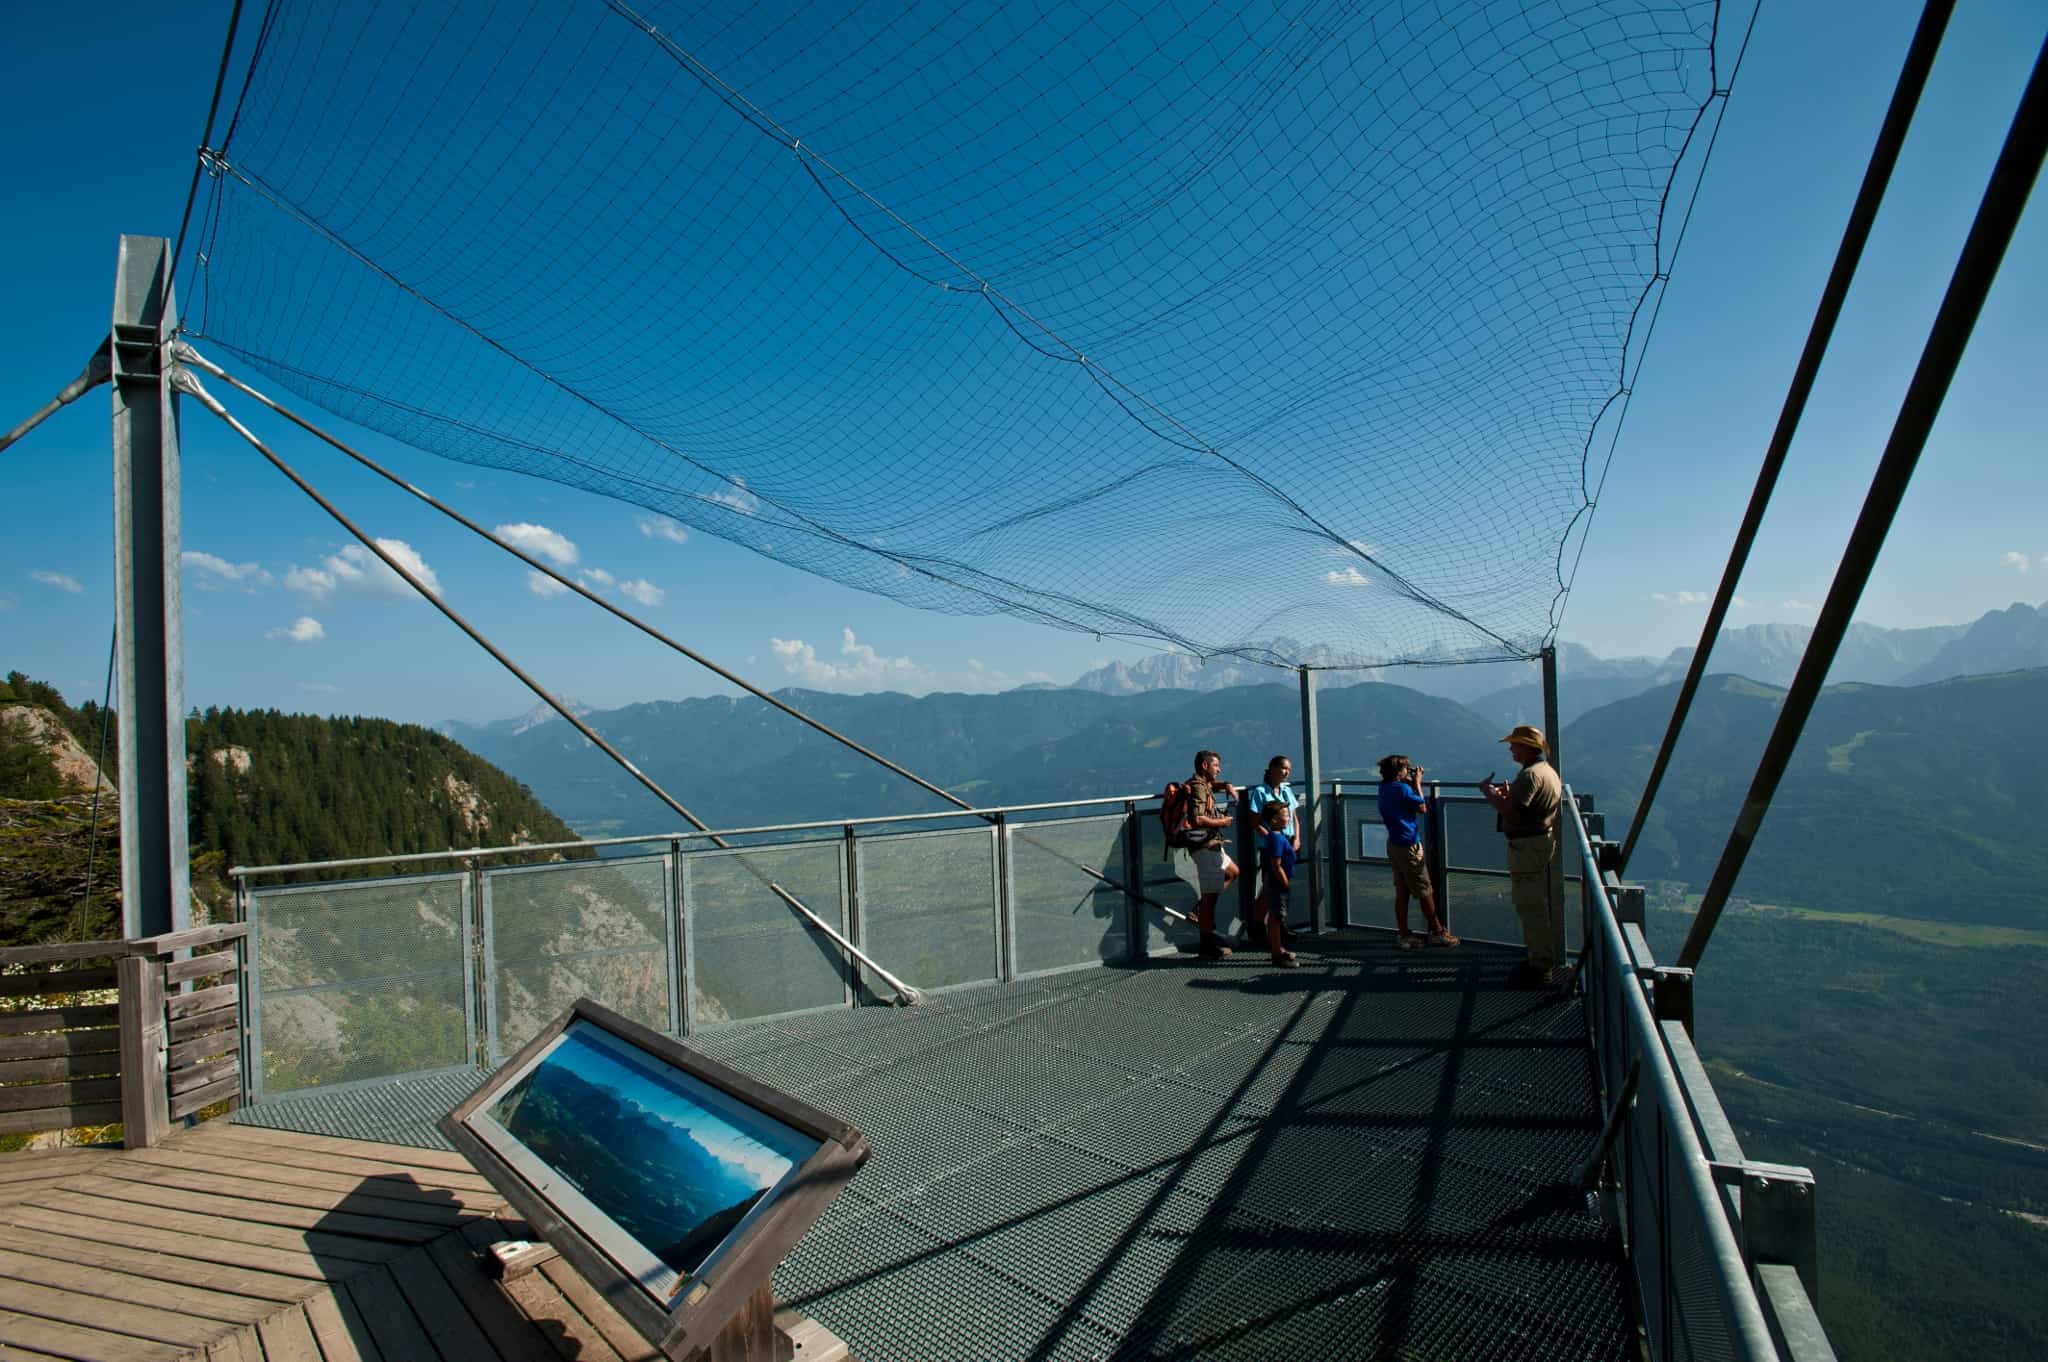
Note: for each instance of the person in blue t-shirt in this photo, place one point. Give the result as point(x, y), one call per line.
point(1401, 803)
point(1276, 877)
point(1274, 789)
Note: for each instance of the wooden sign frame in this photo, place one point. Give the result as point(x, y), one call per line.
point(742, 1266)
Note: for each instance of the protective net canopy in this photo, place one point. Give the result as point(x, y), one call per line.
point(1281, 331)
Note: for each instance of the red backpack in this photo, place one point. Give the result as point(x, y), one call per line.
point(1175, 810)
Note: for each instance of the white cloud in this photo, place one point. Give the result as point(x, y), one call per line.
point(355, 572)
point(59, 580)
point(538, 540)
point(739, 499)
point(598, 577)
point(863, 665)
point(1681, 597)
point(304, 629)
point(1350, 576)
point(210, 573)
point(1740, 603)
point(542, 585)
point(643, 591)
point(661, 527)
point(1797, 605)
point(2016, 561)
point(320, 687)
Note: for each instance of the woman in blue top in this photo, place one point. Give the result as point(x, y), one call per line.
point(1273, 790)
point(1401, 802)
point(1276, 877)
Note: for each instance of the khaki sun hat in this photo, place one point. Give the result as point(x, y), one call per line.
point(1529, 735)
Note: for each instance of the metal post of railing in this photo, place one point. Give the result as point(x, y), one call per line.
point(1337, 833)
point(1134, 880)
point(483, 984)
point(678, 944)
point(1436, 849)
point(1245, 853)
point(1312, 822)
point(1006, 924)
point(850, 849)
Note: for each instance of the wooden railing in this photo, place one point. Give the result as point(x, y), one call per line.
point(167, 1046)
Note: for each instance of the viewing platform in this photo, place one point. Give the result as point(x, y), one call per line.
point(1120, 1152)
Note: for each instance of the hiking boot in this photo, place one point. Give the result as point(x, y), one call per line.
point(1409, 942)
point(1444, 938)
point(1286, 960)
point(1214, 949)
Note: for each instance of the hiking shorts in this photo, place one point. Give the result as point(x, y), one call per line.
point(1411, 868)
point(1209, 868)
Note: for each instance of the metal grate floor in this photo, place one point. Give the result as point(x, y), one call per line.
point(1365, 1157)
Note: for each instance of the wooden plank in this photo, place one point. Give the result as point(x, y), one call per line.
point(408, 1155)
point(220, 1019)
point(373, 1160)
point(185, 1103)
point(60, 951)
point(58, 1067)
point(134, 1287)
point(389, 1318)
point(511, 1334)
point(443, 1314)
point(56, 981)
point(620, 1336)
point(439, 1214)
point(145, 1117)
point(60, 1019)
point(110, 1316)
point(191, 939)
point(242, 1209)
point(287, 1337)
point(39, 1163)
point(71, 1245)
point(178, 1005)
point(227, 1252)
point(194, 1227)
point(239, 1346)
point(182, 1054)
point(571, 1334)
point(199, 967)
point(70, 1093)
point(339, 1329)
point(98, 1041)
point(82, 1344)
point(401, 1183)
point(58, 1118)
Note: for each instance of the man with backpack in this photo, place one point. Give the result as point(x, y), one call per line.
point(1194, 824)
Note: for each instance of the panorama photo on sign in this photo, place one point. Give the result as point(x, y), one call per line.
point(661, 1168)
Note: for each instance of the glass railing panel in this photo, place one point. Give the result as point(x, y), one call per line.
point(555, 933)
point(928, 905)
point(1169, 880)
point(1061, 915)
point(748, 953)
point(1472, 839)
point(1370, 886)
point(359, 980)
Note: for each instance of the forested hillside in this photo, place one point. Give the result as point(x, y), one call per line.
point(263, 788)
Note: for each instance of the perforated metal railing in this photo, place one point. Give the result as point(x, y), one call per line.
point(377, 978)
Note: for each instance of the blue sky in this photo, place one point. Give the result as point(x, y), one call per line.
point(1971, 536)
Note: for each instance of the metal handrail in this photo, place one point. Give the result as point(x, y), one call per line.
point(832, 824)
point(1660, 1083)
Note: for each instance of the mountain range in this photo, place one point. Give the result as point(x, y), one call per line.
point(2001, 640)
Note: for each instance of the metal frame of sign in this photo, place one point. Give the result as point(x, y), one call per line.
point(745, 1262)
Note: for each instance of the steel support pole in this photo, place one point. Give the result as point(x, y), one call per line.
point(1876, 175)
point(1308, 865)
point(2005, 199)
point(1552, 725)
point(149, 610)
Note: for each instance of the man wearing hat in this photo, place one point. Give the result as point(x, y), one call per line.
point(1528, 817)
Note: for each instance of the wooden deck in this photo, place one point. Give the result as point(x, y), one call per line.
point(233, 1242)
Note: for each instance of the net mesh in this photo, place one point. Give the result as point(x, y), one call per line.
point(1054, 310)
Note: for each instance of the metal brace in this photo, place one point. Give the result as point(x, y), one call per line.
point(1778, 1223)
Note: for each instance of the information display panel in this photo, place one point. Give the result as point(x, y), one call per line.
point(674, 1183)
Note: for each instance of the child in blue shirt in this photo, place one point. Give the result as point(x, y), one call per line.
point(1401, 805)
point(1276, 871)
